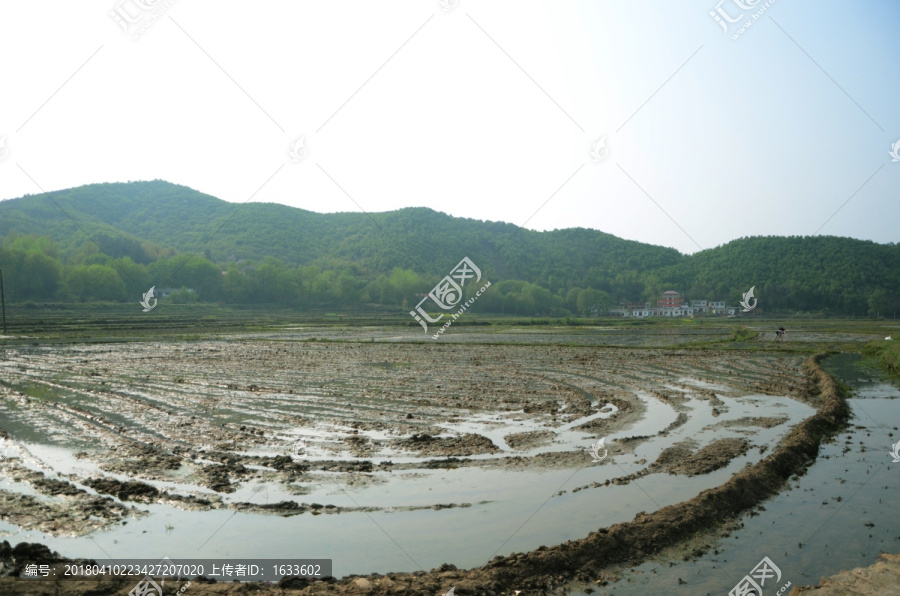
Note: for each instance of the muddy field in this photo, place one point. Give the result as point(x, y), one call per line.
point(101, 436)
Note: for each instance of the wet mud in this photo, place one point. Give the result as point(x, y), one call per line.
point(290, 414)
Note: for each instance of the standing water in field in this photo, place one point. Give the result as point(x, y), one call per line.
point(839, 515)
point(380, 457)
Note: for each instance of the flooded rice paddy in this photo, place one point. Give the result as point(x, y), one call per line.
point(841, 514)
point(381, 456)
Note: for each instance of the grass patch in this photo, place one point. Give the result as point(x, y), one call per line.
point(886, 354)
point(743, 333)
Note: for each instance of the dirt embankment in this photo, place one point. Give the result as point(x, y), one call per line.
point(550, 567)
point(428, 446)
point(79, 513)
point(683, 460)
point(879, 579)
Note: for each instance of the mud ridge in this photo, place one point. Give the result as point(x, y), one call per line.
point(550, 567)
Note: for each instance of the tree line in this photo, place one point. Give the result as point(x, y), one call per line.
point(119, 269)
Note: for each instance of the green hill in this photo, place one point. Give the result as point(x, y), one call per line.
point(185, 220)
point(113, 241)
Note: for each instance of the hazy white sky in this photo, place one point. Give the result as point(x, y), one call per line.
point(486, 110)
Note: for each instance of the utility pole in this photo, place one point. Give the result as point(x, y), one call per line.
point(3, 301)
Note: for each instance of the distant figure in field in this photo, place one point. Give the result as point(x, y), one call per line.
point(779, 334)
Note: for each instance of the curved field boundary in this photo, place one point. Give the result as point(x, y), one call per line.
point(549, 567)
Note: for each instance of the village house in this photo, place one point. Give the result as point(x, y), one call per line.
point(717, 308)
point(670, 299)
point(673, 304)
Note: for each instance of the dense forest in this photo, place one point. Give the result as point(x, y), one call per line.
point(113, 241)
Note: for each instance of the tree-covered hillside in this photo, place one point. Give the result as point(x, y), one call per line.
point(114, 241)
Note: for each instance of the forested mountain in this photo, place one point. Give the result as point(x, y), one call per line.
point(113, 241)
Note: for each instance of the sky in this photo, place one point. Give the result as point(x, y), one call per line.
point(639, 118)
